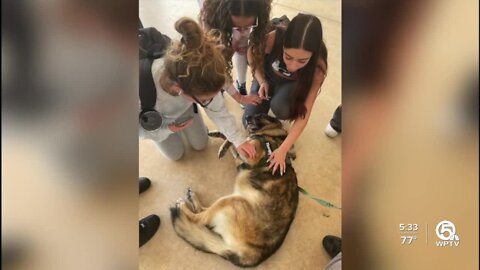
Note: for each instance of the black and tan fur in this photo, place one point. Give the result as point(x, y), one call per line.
point(248, 226)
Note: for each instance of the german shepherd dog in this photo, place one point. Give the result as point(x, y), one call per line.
point(248, 226)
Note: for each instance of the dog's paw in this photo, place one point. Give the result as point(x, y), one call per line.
point(192, 201)
point(188, 199)
point(189, 194)
point(179, 203)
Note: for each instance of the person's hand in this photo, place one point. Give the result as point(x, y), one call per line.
point(247, 150)
point(263, 91)
point(277, 161)
point(179, 127)
point(250, 99)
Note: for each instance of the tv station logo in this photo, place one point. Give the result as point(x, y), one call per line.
point(445, 230)
point(447, 233)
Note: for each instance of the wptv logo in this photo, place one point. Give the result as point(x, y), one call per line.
point(447, 233)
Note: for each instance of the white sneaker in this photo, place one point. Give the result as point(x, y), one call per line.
point(330, 132)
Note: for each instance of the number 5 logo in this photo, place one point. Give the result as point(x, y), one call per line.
point(446, 230)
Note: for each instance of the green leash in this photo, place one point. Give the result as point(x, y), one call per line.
point(318, 200)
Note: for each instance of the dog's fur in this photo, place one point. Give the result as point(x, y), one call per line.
point(249, 225)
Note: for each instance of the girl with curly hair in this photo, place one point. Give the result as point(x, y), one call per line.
point(242, 24)
point(295, 68)
point(192, 71)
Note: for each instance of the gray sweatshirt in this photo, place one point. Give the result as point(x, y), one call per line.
point(172, 107)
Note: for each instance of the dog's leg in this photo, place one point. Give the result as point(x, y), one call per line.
point(234, 153)
point(223, 148)
point(205, 217)
point(216, 134)
point(219, 229)
point(192, 201)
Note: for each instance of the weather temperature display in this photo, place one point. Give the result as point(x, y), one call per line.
point(408, 233)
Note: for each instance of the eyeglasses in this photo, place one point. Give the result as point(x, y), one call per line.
point(246, 28)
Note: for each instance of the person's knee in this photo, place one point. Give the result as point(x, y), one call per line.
point(281, 110)
point(200, 144)
point(173, 152)
point(199, 148)
point(174, 156)
point(197, 134)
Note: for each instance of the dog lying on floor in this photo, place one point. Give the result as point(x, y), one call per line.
point(249, 225)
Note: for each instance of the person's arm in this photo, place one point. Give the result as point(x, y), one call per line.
point(241, 99)
point(259, 74)
point(278, 156)
point(218, 113)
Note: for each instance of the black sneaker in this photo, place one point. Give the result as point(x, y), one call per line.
point(13, 252)
point(148, 227)
point(144, 183)
point(334, 127)
point(332, 244)
point(242, 89)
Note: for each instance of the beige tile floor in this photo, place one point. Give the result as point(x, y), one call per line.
point(318, 164)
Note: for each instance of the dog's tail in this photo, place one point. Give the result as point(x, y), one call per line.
point(202, 238)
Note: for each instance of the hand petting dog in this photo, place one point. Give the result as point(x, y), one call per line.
point(277, 160)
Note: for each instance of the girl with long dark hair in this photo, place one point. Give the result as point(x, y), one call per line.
point(295, 66)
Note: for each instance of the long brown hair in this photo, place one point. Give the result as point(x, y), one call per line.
point(196, 62)
point(216, 14)
point(303, 32)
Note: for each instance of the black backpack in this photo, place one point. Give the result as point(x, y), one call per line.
point(152, 45)
point(281, 22)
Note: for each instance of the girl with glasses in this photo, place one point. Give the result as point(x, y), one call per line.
point(295, 67)
point(242, 24)
point(193, 70)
